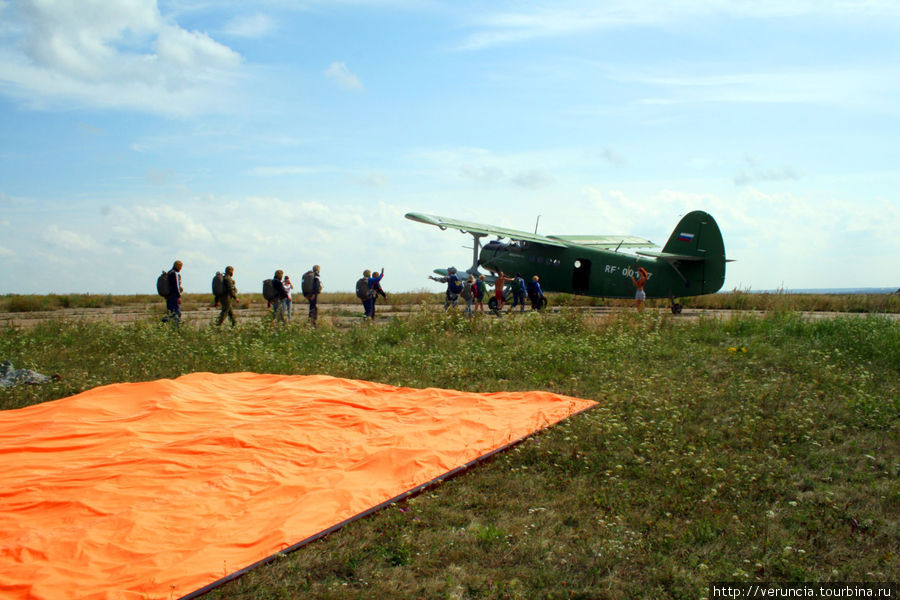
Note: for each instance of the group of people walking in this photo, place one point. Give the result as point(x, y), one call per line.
point(280, 297)
point(279, 293)
point(473, 291)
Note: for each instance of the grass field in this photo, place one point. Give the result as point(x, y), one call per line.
point(734, 300)
point(747, 449)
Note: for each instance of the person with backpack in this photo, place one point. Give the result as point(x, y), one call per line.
point(536, 294)
point(311, 286)
point(454, 287)
point(280, 296)
point(375, 285)
point(364, 292)
point(227, 295)
point(173, 296)
point(468, 294)
point(479, 289)
point(518, 290)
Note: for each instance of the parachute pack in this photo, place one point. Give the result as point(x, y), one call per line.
point(162, 285)
point(218, 285)
point(268, 290)
point(455, 284)
point(362, 289)
point(307, 282)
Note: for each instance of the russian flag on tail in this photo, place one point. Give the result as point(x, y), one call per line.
point(685, 237)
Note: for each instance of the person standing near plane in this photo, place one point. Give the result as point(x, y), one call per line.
point(173, 300)
point(498, 289)
point(536, 294)
point(640, 295)
point(468, 294)
point(480, 290)
point(518, 290)
point(454, 287)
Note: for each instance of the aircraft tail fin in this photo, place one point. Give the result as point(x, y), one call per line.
point(697, 235)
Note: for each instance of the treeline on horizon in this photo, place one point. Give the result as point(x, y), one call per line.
point(733, 300)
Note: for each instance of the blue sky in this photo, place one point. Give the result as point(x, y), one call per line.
point(279, 134)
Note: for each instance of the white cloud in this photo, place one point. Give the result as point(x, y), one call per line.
point(6, 252)
point(70, 240)
point(250, 26)
point(861, 87)
point(568, 17)
point(339, 73)
point(112, 55)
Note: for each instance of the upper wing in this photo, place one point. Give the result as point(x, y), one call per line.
point(606, 241)
point(478, 228)
point(560, 241)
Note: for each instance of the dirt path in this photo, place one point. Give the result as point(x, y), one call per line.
point(339, 315)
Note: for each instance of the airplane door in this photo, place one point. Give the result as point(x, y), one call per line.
point(581, 276)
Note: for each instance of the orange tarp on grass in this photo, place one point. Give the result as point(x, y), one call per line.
point(158, 489)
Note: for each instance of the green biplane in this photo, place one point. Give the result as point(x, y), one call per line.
point(691, 263)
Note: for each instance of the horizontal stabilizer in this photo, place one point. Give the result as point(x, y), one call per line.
point(669, 257)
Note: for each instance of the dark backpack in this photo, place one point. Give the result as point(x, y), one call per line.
point(162, 285)
point(362, 289)
point(467, 291)
point(455, 284)
point(307, 283)
point(268, 290)
point(218, 285)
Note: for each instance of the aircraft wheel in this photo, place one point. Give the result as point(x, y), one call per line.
point(544, 302)
point(492, 304)
point(676, 308)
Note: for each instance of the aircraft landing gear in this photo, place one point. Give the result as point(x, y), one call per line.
point(676, 308)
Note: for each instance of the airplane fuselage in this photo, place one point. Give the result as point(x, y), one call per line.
point(595, 272)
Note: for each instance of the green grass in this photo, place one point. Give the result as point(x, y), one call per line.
point(734, 300)
point(748, 449)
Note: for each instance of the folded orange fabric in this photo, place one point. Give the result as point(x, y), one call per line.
point(158, 489)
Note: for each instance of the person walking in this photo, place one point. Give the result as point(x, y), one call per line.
point(364, 292)
point(480, 290)
point(468, 294)
point(173, 300)
point(536, 294)
point(313, 296)
point(374, 285)
point(289, 303)
point(280, 296)
point(229, 296)
point(454, 287)
point(518, 290)
point(378, 290)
